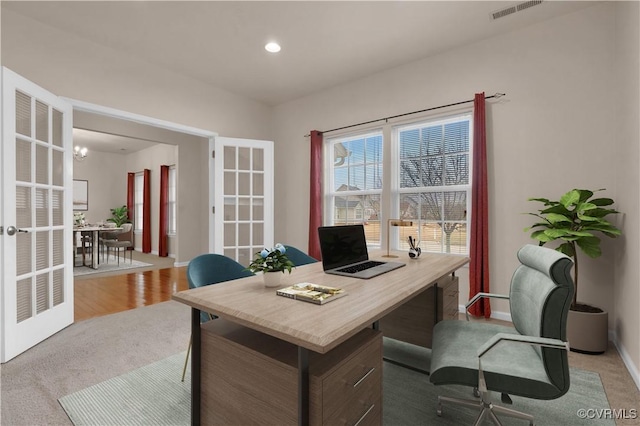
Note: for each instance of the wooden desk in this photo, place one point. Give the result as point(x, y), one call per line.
point(317, 328)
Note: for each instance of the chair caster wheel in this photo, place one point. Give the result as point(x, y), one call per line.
point(476, 392)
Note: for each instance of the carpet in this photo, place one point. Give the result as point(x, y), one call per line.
point(110, 266)
point(153, 394)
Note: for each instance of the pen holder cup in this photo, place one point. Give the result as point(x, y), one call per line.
point(415, 253)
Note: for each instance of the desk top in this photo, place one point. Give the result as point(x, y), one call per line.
point(320, 328)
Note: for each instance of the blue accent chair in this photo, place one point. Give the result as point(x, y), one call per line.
point(208, 269)
point(529, 359)
point(298, 257)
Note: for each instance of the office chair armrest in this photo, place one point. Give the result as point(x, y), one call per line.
point(516, 338)
point(478, 296)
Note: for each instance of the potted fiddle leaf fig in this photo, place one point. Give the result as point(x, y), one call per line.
point(577, 220)
point(119, 215)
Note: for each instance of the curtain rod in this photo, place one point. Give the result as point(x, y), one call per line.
point(497, 95)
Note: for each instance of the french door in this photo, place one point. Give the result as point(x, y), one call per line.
point(241, 182)
point(36, 258)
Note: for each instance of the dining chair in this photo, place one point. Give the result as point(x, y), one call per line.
point(124, 241)
point(298, 257)
point(208, 269)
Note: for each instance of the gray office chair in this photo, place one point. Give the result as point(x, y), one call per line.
point(298, 257)
point(208, 269)
point(528, 359)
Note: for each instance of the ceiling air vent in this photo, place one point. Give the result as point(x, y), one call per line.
point(515, 8)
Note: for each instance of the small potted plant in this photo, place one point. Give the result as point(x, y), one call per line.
point(575, 220)
point(272, 263)
point(119, 215)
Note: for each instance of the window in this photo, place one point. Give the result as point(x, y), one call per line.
point(171, 202)
point(434, 182)
point(428, 176)
point(355, 187)
point(138, 201)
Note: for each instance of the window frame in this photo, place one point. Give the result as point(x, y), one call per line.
point(138, 206)
point(172, 201)
point(390, 192)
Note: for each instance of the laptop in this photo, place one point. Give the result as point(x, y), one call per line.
point(344, 252)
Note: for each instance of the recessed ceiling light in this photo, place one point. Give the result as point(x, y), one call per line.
point(272, 47)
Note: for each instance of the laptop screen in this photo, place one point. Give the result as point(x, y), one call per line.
point(342, 245)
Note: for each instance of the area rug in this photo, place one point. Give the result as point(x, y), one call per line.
point(110, 266)
point(155, 395)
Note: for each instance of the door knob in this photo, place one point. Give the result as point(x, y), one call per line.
point(12, 230)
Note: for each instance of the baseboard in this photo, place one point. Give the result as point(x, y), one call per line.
point(628, 362)
point(178, 264)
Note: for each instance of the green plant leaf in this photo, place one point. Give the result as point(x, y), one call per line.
point(557, 208)
point(590, 246)
point(602, 201)
point(570, 198)
point(585, 194)
point(542, 200)
point(541, 236)
point(567, 248)
point(556, 218)
point(585, 207)
point(588, 218)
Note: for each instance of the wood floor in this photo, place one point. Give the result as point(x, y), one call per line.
point(107, 295)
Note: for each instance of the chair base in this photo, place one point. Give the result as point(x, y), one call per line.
point(487, 409)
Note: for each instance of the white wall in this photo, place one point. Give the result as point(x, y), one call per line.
point(627, 100)
point(554, 131)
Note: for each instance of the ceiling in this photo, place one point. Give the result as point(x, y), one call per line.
point(324, 43)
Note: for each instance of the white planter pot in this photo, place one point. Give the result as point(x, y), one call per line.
point(588, 332)
point(272, 279)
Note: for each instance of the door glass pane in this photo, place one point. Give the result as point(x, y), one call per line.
point(23, 207)
point(23, 114)
point(56, 129)
point(229, 183)
point(58, 286)
point(258, 159)
point(42, 122)
point(258, 184)
point(229, 234)
point(42, 207)
point(42, 164)
point(244, 159)
point(23, 161)
point(245, 255)
point(23, 253)
point(42, 292)
point(258, 234)
point(244, 209)
point(244, 184)
point(244, 234)
point(230, 252)
point(57, 203)
point(258, 209)
point(23, 299)
point(58, 247)
point(58, 168)
point(229, 209)
point(42, 250)
point(229, 157)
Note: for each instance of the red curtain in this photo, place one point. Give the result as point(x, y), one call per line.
point(163, 249)
point(131, 193)
point(146, 212)
point(315, 194)
point(479, 244)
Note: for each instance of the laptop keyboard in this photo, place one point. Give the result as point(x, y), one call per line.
point(360, 267)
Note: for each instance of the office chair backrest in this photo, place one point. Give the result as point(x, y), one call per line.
point(211, 268)
point(540, 296)
point(298, 257)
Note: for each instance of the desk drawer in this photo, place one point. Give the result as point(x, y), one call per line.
point(356, 383)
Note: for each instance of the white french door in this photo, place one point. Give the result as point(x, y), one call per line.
point(241, 185)
point(36, 258)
